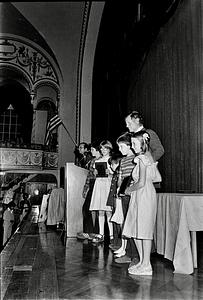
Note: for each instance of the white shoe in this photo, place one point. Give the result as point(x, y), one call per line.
point(118, 251)
point(133, 267)
point(140, 271)
point(122, 253)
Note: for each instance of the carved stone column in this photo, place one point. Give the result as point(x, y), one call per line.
point(32, 96)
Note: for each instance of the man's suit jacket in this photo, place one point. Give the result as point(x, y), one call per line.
point(155, 145)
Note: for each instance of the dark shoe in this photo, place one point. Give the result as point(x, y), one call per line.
point(114, 247)
point(111, 244)
point(123, 260)
point(98, 239)
point(92, 236)
point(134, 262)
point(82, 236)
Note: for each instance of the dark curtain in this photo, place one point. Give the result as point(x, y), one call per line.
point(169, 94)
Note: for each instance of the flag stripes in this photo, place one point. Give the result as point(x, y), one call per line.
point(54, 122)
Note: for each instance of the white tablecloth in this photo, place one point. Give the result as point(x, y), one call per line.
point(177, 216)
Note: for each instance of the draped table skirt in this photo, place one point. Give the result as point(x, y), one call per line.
point(179, 216)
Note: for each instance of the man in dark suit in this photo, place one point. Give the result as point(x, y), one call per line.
point(83, 155)
point(134, 123)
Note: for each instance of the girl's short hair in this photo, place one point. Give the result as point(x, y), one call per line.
point(124, 138)
point(144, 138)
point(107, 144)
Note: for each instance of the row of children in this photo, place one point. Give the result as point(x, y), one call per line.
point(126, 195)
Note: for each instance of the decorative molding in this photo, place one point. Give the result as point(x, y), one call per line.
point(20, 158)
point(79, 67)
point(47, 99)
point(28, 58)
point(33, 126)
point(46, 83)
point(32, 96)
point(50, 160)
point(27, 159)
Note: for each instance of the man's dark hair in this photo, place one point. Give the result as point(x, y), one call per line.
point(136, 115)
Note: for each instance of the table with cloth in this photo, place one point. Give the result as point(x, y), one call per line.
point(179, 216)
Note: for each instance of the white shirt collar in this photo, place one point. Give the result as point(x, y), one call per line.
point(140, 128)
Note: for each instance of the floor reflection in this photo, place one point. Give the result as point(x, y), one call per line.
point(144, 284)
point(99, 277)
point(82, 270)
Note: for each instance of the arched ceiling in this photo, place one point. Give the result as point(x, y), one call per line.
point(14, 23)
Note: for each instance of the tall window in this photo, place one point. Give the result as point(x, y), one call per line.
point(10, 126)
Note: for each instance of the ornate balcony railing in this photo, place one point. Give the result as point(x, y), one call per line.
point(27, 159)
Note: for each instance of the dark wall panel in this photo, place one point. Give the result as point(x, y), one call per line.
point(169, 94)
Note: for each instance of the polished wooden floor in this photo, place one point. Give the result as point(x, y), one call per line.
point(37, 264)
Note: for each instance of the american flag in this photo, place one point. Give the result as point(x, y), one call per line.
point(54, 122)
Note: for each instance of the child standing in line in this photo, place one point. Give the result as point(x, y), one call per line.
point(89, 218)
point(141, 216)
point(125, 170)
point(114, 162)
point(101, 191)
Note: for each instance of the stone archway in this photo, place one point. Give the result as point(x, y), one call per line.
point(24, 64)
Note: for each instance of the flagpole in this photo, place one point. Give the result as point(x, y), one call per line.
point(74, 142)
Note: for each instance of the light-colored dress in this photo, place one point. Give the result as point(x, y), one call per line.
point(101, 190)
point(141, 215)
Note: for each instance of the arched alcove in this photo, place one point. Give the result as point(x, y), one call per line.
point(16, 94)
point(47, 105)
